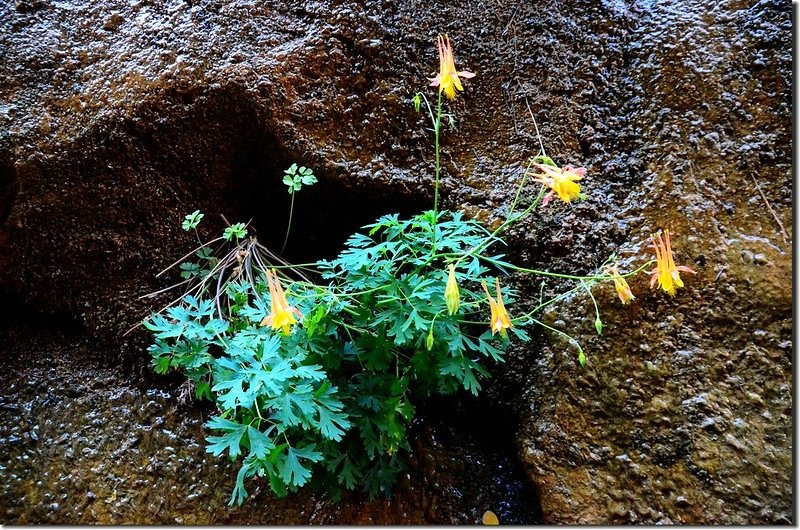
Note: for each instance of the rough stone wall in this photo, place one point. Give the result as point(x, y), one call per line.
point(117, 118)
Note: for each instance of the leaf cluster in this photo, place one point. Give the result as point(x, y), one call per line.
point(295, 177)
point(329, 403)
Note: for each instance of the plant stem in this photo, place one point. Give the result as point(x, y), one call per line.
point(289, 225)
point(589, 290)
point(567, 276)
point(510, 220)
point(437, 124)
point(519, 190)
point(572, 340)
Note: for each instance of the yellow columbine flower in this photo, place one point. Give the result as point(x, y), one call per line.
point(622, 287)
point(448, 79)
point(451, 295)
point(561, 181)
point(666, 273)
point(282, 315)
point(490, 519)
point(500, 321)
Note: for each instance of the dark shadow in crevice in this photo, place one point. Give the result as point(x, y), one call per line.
point(15, 311)
point(238, 173)
point(324, 215)
point(29, 336)
point(470, 441)
point(9, 187)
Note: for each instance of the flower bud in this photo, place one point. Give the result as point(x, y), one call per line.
point(451, 295)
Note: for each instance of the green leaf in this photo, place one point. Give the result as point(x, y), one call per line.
point(463, 369)
point(485, 347)
point(238, 231)
point(239, 494)
point(277, 485)
point(203, 390)
point(311, 371)
point(161, 365)
point(293, 471)
point(307, 176)
point(192, 220)
point(230, 440)
point(235, 396)
point(260, 444)
point(323, 388)
point(189, 269)
point(332, 425)
point(520, 333)
point(349, 474)
point(414, 319)
point(293, 408)
point(163, 328)
point(311, 321)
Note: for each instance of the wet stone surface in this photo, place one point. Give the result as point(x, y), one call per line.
point(117, 118)
point(83, 444)
point(683, 414)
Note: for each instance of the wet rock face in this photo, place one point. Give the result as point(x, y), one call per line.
point(683, 412)
point(118, 118)
point(82, 444)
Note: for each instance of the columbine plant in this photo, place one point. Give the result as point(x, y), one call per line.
point(316, 370)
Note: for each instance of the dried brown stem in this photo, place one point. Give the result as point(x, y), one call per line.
point(784, 235)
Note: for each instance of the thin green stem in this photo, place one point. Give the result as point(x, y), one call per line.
point(519, 190)
point(567, 276)
point(289, 225)
point(430, 110)
point(535, 126)
point(437, 125)
point(258, 411)
point(596, 309)
point(528, 316)
point(571, 339)
point(493, 236)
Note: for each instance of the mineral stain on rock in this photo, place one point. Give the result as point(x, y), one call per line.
point(118, 118)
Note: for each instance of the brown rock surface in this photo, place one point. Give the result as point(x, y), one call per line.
point(117, 118)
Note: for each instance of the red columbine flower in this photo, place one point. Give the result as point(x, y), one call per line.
point(448, 79)
point(282, 315)
point(561, 181)
point(666, 273)
point(500, 321)
point(622, 287)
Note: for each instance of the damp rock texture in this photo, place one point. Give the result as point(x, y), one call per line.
point(683, 412)
point(84, 444)
point(117, 118)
